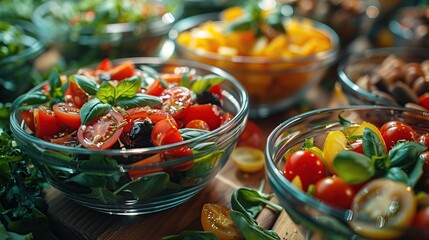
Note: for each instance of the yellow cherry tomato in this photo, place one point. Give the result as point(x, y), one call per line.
point(248, 159)
point(335, 143)
point(363, 125)
point(215, 218)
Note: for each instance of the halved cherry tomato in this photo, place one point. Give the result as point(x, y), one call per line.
point(152, 160)
point(424, 139)
point(155, 115)
point(209, 113)
point(172, 78)
point(251, 136)
point(45, 123)
point(424, 100)
point(248, 159)
point(383, 207)
point(335, 192)
point(305, 164)
point(105, 65)
point(198, 124)
point(215, 218)
point(101, 133)
point(75, 95)
point(28, 118)
point(66, 137)
point(123, 71)
point(155, 89)
point(165, 132)
point(67, 114)
point(176, 100)
point(393, 131)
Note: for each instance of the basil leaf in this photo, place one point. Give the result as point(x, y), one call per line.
point(396, 174)
point(93, 109)
point(29, 100)
point(139, 100)
point(417, 171)
point(353, 167)
point(84, 82)
point(371, 144)
point(128, 88)
point(405, 154)
point(151, 72)
point(381, 164)
point(106, 93)
point(55, 84)
point(205, 83)
point(192, 235)
point(249, 229)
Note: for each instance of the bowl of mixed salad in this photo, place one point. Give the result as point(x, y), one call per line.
point(275, 55)
point(131, 136)
point(19, 47)
point(353, 172)
point(90, 30)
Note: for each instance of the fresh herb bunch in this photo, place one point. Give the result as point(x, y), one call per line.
point(21, 199)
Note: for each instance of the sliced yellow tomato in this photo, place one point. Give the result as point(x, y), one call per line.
point(335, 143)
point(363, 125)
point(215, 218)
point(383, 207)
point(297, 182)
point(248, 159)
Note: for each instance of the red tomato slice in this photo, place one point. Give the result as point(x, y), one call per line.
point(165, 132)
point(155, 115)
point(66, 137)
point(123, 71)
point(67, 114)
point(101, 133)
point(198, 124)
point(45, 123)
point(209, 113)
point(105, 65)
point(155, 89)
point(172, 78)
point(424, 100)
point(226, 117)
point(134, 174)
point(75, 95)
point(28, 118)
point(176, 100)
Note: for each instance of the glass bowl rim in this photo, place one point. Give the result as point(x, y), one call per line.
point(394, 24)
point(345, 81)
point(196, 20)
point(236, 120)
point(288, 186)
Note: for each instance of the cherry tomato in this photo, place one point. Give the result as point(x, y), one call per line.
point(178, 153)
point(152, 160)
point(198, 124)
point(172, 78)
point(45, 123)
point(226, 117)
point(155, 89)
point(424, 138)
point(28, 118)
point(67, 114)
point(155, 115)
point(251, 136)
point(357, 146)
point(424, 100)
point(165, 132)
point(335, 143)
point(382, 199)
point(308, 166)
point(101, 133)
point(215, 218)
point(176, 100)
point(66, 137)
point(248, 159)
point(393, 131)
point(75, 95)
point(335, 192)
point(211, 114)
point(421, 219)
point(123, 71)
point(105, 65)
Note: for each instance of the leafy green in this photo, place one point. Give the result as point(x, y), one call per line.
point(192, 235)
point(151, 72)
point(93, 109)
point(405, 154)
point(88, 85)
point(138, 100)
point(205, 83)
point(363, 167)
point(371, 144)
point(249, 229)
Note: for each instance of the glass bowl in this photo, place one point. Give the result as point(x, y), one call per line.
point(320, 220)
point(109, 186)
point(17, 66)
point(273, 84)
point(88, 30)
point(364, 82)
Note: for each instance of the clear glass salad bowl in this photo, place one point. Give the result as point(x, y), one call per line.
point(101, 180)
point(319, 220)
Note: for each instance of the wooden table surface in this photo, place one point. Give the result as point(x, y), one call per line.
point(72, 221)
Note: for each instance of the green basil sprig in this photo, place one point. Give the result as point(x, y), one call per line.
point(87, 84)
point(93, 109)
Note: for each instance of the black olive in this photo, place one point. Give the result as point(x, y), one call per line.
point(140, 134)
point(207, 97)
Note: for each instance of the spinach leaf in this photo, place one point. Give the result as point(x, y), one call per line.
point(363, 167)
point(249, 229)
point(192, 235)
point(93, 109)
point(405, 154)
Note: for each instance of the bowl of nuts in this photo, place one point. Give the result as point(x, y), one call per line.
point(387, 76)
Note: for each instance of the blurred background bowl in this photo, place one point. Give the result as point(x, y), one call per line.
point(86, 31)
point(20, 46)
point(315, 219)
point(386, 76)
point(112, 189)
point(273, 83)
